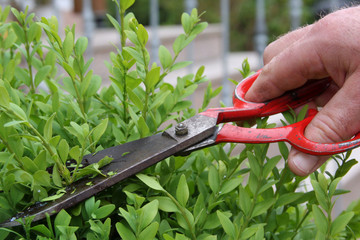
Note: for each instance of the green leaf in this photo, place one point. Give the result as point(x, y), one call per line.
point(69, 70)
point(34, 32)
point(142, 35)
point(135, 54)
point(135, 99)
point(99, 130)
point(80, 46)
point(245, 200)
point(18, 111)
point(340, 223)
point(179, 44)
point(75, 153)
point(68, 45)
point(250, 231)
point(180, 65)
point(227, 225)
point(262, 207)
point(41, 229)
point(152, 78)
point(42, 74)
point(214, 180)
point(54, 197)
point(254, 165)
point(181, 106)
point(48, 127)
point(42, 178)
point(125, 4)
point(189, 222)
point(63, 150)
point(150, 182)
point(212, 221)
point(302, 114)
point(320, 194)
point(186, 22)
point(165, 57)
point(199, 28)
point(148, 213)
point(230, 185)
point(150, 231)
point(104, 211)
point(270, 164)
point(4, 97)
point(56, 176)
point(67, 232)
point(320, 219)
point(29, 165)
point(283, 150)
point(166, 204)
point(62, 218)
point(114, 22)
point(340, 172)
point(288, 198)
point(333, 185)
point(94, 86)
point(40, 160)
point(19, 31)
point(267, 185)
point(9, 70)
point(322, 182)
point(143, 127)
point(124, 232)
point(133, 37)
point(182, 191)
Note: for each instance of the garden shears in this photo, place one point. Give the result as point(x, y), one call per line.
point(202, 130)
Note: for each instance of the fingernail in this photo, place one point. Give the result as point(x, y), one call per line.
point(304, 162)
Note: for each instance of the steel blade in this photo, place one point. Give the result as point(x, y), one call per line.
point(128, 159)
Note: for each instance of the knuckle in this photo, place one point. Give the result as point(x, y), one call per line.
point(326, 129)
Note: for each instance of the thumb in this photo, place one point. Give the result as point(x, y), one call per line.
point(336, 122)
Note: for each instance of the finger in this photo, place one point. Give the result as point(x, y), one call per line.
point(334, 123)
point(325, 97)
point(285, 72)
point(283, 42)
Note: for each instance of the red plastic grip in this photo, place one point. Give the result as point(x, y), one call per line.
point(243, 109)
point(294, 133)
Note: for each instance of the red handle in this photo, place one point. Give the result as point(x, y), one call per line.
point(293, 134)
point(244, 110)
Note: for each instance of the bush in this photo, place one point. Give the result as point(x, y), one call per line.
point(241, 16)
point(49, 121)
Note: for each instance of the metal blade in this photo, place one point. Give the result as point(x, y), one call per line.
point(128, 159)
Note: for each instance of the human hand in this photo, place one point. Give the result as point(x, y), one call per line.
point(327, 48)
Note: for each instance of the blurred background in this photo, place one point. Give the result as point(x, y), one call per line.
point(238, 29)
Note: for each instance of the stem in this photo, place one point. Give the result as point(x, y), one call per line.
point(10, 150)
point(147, 94)
point(123, 43)
point(29, 61)
point(122, 27)
point(45, 144)
point(253, 203)
point(103, 102)
point(79, 99)
point(73, 177)
point(193, 236)
point(328, 234)
point(300, 223)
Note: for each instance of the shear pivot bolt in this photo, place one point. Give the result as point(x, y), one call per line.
point(181, 129)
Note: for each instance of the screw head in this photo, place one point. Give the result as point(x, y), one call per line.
point(181, 129)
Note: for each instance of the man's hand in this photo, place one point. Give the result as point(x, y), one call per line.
point(329, 48)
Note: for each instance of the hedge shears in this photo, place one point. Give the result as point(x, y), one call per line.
point(204, 129)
